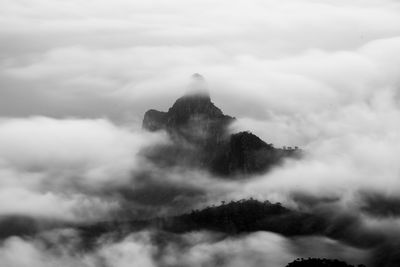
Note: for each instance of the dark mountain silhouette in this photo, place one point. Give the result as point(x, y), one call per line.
point(230, 218)
point(201, 137)
point(233, 218)
point(248, 216)
point(313, 262)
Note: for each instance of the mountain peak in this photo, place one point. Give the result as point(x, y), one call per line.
point(197, 76)
point(197, 86)
point(201, 136)
point(194, 106)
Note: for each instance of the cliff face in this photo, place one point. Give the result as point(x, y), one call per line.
point(154, 120)
point(246, 153)
point(201, 138)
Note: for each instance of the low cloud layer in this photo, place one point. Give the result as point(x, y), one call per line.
point(197, 249)
point(53, 168)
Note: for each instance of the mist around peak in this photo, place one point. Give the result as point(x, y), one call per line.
point(202, 138)
point(197, 86)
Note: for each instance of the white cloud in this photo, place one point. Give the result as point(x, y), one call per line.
point(48, 165)
point(92, 148)
point(197, 249)
point(134, 250)
point(121, 57)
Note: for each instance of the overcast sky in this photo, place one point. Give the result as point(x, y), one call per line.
point(116, 59)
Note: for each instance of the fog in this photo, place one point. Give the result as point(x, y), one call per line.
point(199, 249)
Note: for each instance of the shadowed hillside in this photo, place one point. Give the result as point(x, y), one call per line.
point(248, 216)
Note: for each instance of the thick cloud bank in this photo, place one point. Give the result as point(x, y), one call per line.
point(197, 249)
point(53, 168)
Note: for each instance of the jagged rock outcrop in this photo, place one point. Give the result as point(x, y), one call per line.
point(193, 117)
point(201, 137)
point(154, 120)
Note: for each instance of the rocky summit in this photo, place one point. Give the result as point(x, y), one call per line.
point(201, 137)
